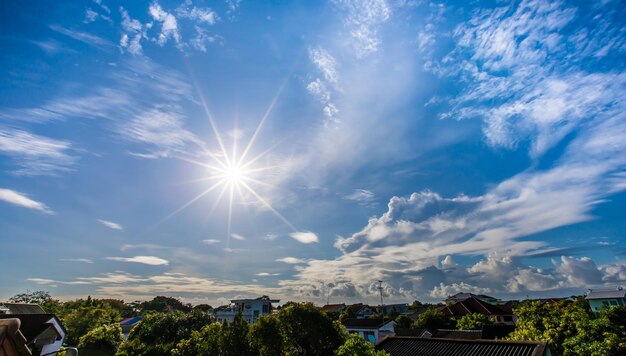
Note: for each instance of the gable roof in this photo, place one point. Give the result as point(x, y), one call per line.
point(330, 308)
point(473, 305)
point(22, 308)
point(365, 323)
point(606, 294)
point(412, 346)
point(131, 321)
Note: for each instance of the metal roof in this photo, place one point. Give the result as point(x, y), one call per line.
point(606, 294)
point(376, 323)
point(23, 308)
point(416, 346)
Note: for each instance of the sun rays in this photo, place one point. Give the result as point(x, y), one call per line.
point(231, 173)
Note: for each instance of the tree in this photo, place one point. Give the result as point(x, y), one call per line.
point(431, 319)
point(357, 346)
point(265, 336)
point(474, 321)
point(204, 307)
point(159, 333)
point(103, 340)
point(203, 342)
point(404, 321)
point(415, 305)
point(234, 340)
point(308, 331)
point(162, 303)
point(40, 297)
point(83, 319)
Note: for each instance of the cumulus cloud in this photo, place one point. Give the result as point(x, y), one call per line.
point(22, 200)
point(147, 260)
point(291, 260)
point(169, 25)
point(305, 237)
point(111, 224)
point(443, 291)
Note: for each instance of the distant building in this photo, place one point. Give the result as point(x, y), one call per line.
point(333, 308)
point(459, 297)
point(502, 314)
point(128, 324)
point(251, 309)
point(372, 330)
point(398, 308)
point(410, 346)
point(599, 299)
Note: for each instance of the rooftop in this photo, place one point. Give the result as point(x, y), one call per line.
point(606, 294)
point(365, 323)
point(413, 346)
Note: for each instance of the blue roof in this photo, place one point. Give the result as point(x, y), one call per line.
point(131, 321)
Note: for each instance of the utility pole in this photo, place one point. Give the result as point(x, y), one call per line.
point(380, 289)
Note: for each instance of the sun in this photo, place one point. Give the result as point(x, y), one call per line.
point(233, 174)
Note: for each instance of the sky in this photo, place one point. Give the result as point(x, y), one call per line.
point(304, 150)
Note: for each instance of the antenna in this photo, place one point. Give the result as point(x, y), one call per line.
point(382, 306)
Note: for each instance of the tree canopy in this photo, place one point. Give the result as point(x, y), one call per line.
point(474, 321)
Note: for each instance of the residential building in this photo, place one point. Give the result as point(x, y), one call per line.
point(44, 332)
point(459, 297)
point(333, 308)
point(604, 298)
point(128, 324)
point(398, 308)
point(410, 346)
point(372, 330)
point(251, 309)
point(501, 314)
point(12, 341)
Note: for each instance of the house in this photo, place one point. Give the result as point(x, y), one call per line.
point(372, 330)
point(501, 314)
point(251, 309)
point(459, 297)
point(44, 332)
point(398, 308)
point(410, 346)
point(333, 308)
point(128, 324)
point(599, 299)
point(12, 341)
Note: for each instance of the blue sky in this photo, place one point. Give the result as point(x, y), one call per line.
point(305, 150)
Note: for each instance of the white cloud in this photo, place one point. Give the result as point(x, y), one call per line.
point(443, 291)
point(305, 237)
point(111, 224)
point(169, 25)
point(211, 241)
point(82, 260)
point(200, 14)
point(148, 260)
point(291, 260)
point(362, 195)
point(34, 154)
point(363, 20)
point(270, 237)
point(326, 64)
point(84, 37)
point(134, 32)
point(237, 237)
point(580, 272)
point(21, 200)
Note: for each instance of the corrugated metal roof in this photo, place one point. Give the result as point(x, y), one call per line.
point(365, 323)
point(606, 294)
point(457, 334)
point(21, 308)
point(410, 346)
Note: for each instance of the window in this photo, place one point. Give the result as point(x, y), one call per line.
point(614, 302)
point(266, 308)
point(507, 318)
point(605, 303)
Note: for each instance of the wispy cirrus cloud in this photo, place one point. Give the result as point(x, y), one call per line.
point(22, 200)
point(363, 19)
point(81, 260)
point(36, 155)
point(236, 236)
point(110, 224)
point(210, 241)
point(147, 260)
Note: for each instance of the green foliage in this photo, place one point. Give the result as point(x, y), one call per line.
point(103, 340)
point(474, 321)
point(159, 333)
point(431, 319)
point(36, 297)
point(204, 307)
point(265, 336)
point(203, 342)
point(415, 305)
point(357, 346)
point(571, 328)
point(404, 321)
point(162, 303)
point(308, 331)
point(347, 313)
point(83, 319)
point(234, 340)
